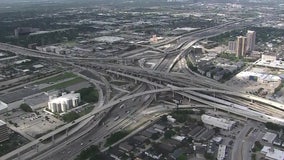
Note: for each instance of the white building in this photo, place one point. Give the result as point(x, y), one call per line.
point(221, 152)
point(251, 37)
point(65, 102)
point(217, 122)
point(268, 58)
point(178, 138)
point(171, 119)
point(269, 137)
point(272, 153)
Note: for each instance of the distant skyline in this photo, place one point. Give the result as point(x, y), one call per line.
point(27, 1)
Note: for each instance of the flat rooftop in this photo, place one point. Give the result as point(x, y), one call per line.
point(38, 99)
point(18, 95)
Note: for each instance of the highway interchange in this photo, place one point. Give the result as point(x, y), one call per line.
point(130, 107)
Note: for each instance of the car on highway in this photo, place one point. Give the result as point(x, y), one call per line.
point(116, 118)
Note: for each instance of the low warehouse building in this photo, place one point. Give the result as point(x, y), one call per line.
point(269, 137)
point(14, 99)
point(218, 122)
point(272, 153)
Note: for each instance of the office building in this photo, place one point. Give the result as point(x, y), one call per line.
point(64, 103)
point(218, 122)
point(4, 135)
point(251, 36)
point(241, 46)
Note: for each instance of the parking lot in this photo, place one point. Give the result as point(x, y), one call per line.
point(266, 80)
point(32, 124)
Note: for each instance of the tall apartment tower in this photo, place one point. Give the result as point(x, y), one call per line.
point(232, 46)
point(251, 36)
point(241, 46)
point(4, 135)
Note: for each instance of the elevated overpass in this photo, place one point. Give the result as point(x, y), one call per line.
point(246, 113)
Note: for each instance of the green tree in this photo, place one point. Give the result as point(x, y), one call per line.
point(273, 126)
point(257, 146)
point(89, 95)
point(202, 111)
point(92, 153)
point(26, 107)
point(253, 156)
point(181, 118)
point(155, 136)
point(164, 118)
point(209, 156)
point(169, 133)
point(217, 130)
point(115, 137)
point(182, 157)
point(69, 117)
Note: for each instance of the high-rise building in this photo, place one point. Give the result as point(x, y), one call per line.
point(241, 46)
point(4, 135)
point(251, 36)
point(232, 46)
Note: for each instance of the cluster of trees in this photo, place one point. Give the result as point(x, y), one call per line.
point(184, 115)
point(13, 123)
point(209, 156)
point(155, 136)
point(91, 153)
point(191, 66)
point(89, 95)
point(115, 137)
point(169, 133)
point(229, 56)
point(71, 116)
point(273, 126)
point(257, 146)
point(182, 157)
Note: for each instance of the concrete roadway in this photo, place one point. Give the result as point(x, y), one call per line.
point(127, 114)
point(84, 121)
point(238, 94)
point(244, 142)
point(107, 105)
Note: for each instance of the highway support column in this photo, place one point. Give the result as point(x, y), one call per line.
point(53, 139)
point(37, 147)
point(19, 155)
point(67, 132)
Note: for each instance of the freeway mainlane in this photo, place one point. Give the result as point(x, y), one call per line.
point(128, 114)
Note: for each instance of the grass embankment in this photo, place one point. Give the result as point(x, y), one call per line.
point(64, 84)
point(57, 78)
